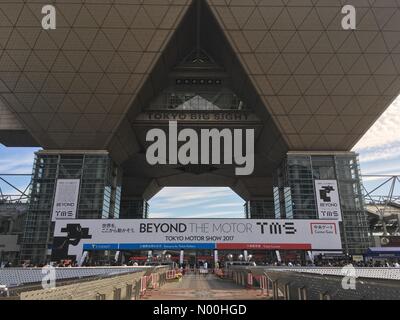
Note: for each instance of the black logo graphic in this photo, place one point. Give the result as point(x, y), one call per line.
point(75, 233)
point(277, 228)
point(324, 193)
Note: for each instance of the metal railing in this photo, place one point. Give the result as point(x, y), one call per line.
point(121, 287)
point(17, 194)
point(321, 283)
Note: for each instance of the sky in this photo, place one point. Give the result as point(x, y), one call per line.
point(379, 152)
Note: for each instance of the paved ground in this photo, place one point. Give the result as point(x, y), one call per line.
point(200, 287)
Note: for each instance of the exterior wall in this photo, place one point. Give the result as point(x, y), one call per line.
point(99, 198)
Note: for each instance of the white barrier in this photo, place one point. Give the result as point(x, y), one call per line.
point(155, 278)
point(249, 279)
point(203, 271)
point(143, 285)
point(171, 275)
point(373, 273)
point(264, 285)
point(20, 276)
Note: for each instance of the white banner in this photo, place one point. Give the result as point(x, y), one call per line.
point(66, 199)
point(278, 256)
point(72, 237)
point(328, 202)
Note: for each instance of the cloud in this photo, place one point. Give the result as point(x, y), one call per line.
point(382, 141)
point(173, 198)
point(196, 203)
point(171, 194)
point(16, 164)
point(16, 160)
point(216, 214)
point(223, 205)
point(376, 168)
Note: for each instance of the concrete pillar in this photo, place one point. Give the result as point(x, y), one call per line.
point(324, 296)
point(128, 291)
point(302, 293)
point(287, 291)
point(275, 290)
point(117, 294)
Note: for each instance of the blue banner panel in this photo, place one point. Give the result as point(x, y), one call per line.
point(100, 247)
point(149, 246)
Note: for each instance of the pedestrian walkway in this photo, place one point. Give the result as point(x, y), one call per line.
point(204, 287)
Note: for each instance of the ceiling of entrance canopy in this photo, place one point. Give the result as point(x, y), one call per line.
point(315, 85)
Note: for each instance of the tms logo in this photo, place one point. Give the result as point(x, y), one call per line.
point(277, 228)
point(64, 214)
point(324, 193)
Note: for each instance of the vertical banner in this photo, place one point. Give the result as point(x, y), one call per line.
point(310, 256)
point(66, 199)
point(246, 255)
point(278, 256)
point(182, 257)
point(83, 258)
point(328, 202)
point(216, 258)
point(117, 254)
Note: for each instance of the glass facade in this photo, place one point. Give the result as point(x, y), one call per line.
point(134, 209)
point(197, 98)
point(296, 181)
point(199, 84)
point(99, 197)
point(260, 209)
point(294, 194)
